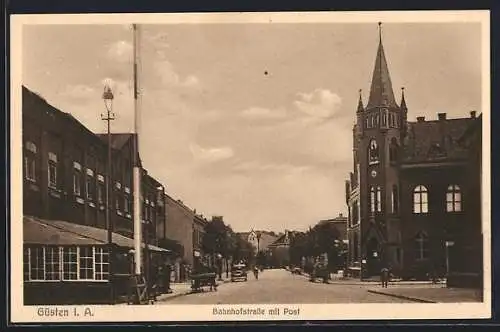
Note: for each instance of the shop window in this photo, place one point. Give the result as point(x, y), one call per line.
point(37, 264)
point(101, 264)
point(86, 261)
point(52, 263)
point(70, 263)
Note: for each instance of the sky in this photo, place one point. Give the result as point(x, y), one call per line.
point(251, 121)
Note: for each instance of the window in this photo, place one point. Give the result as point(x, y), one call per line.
point(30, 162)
point(421, 246)
point(37, 264)
point(453, 199)
point(394, 199)
point(372, 199)
point(355, 215)
point(77, 179)
point(86, 260)
point(393, 150)
point(70, 263)
point(379, 199)
point(101, 264)
point(100, 192)
point(373, 151)
point(90, 185)
point(26, 264)
point(52, 263)
point(398, 255)
point(126, 204)
point(52, 169)
point(66, 263)
point(420, 202)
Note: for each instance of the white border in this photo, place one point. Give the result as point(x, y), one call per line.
point(165, 313)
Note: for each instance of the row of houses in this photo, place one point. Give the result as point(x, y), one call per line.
point(67, 256)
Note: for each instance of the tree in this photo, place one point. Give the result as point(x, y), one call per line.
point(215, 238)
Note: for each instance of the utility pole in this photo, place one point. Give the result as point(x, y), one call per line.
point(137, 163)
point(109, 116)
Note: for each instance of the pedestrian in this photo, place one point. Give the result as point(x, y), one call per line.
point(384, 277)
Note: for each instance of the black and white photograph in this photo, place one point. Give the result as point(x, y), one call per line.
point(250, 166)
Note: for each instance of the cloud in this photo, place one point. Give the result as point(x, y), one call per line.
point(79, 91)
point(262, 113)
point(320, 103)
point(211, 154)
point(169, 75)
point(159, 40)
point(120, 51)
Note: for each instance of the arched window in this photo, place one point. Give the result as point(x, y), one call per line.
point(453, 199)
point(379, 199)
point(373, 155)
point(421, 246)
point(393, 150)
point(394, 199)
point(420, 200)
point(372, 199)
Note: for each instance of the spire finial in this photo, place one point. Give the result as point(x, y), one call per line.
point(403, 101)
point(360, 102)
point(380, 31)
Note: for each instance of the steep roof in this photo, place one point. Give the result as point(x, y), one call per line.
point(381, 93)
point(118, 140)
point(429, 141)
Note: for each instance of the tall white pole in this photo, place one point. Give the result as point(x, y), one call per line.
point(137, 163)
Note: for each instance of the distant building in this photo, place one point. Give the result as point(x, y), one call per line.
point(279, 250)
point(260, 240)
point(340, 224)
point(407, 194)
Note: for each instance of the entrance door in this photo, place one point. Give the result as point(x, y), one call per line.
point(372, 257)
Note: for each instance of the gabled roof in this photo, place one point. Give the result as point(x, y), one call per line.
point(118, 140)
point(381, 93)
point(429, 141)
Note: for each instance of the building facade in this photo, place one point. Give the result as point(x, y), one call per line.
point(406, 194)
point(64, 172)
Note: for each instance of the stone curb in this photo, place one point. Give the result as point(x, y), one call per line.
point(414, 299)
point(184, 293)
point(372, 282)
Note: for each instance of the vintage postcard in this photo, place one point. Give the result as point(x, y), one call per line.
point(250, 166)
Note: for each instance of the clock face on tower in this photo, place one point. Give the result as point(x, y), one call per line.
point(374, 173)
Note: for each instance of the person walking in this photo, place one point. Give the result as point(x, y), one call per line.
point(384, 277)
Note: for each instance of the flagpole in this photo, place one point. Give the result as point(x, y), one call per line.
point(137, 162)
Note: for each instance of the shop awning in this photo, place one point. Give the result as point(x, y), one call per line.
point(57, 232)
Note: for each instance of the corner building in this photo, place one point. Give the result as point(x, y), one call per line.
point(407, 193)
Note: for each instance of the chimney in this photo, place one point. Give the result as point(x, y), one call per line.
point(340, 215)
point(441, 116)
point(473, 114)
point(420, 118)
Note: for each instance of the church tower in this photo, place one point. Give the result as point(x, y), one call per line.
point(378, 133)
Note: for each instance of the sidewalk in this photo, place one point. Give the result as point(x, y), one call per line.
point(335, 280)
point(184, 288)
point(434, 294)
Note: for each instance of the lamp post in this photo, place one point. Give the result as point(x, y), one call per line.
point(108, 97)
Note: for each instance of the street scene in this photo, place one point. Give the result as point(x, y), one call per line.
point(252, 163)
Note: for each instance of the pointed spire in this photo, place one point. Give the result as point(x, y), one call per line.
point(360, 103)
point(381, 93)
point(403, 102)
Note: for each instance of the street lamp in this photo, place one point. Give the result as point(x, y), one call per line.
point(108, 97)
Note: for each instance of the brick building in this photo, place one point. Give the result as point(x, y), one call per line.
point(64, 172)
point(407, 194)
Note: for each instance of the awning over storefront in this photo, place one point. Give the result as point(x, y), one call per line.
point(57, 232)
